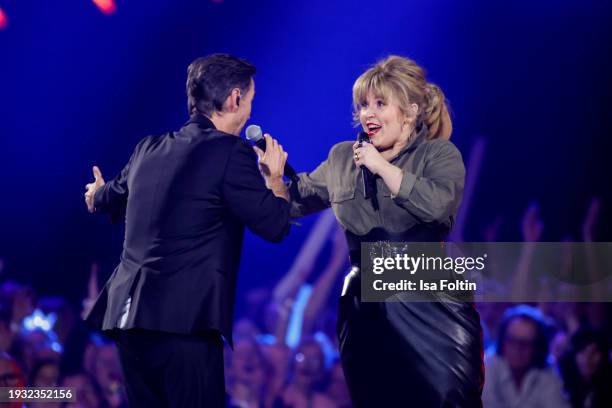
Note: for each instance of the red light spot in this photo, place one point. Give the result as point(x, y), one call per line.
point(3, 20)
point(106, 6)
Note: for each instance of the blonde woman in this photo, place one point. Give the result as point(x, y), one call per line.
point(400, 354)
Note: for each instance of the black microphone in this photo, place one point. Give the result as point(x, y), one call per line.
point(255, 136)
point(366, 174)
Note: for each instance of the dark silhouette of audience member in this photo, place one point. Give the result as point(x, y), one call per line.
point(586, 370)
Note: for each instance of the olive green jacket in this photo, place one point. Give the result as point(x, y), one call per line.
point(430, 191)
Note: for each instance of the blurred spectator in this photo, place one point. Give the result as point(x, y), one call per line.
point(101, 361)
point(586, 370)
point(65, 315)
point(88, 394)
point(559, 345)
point(490, 316)
point(247, 374)
point(20, 300)
point(566, 314)
point(245, 327)
point(31, 346)
point(45, 373)
point(74, 348)
point(10, 376)
point(10, 372)
point(257, 300)
point(337, 389)
point(6, 333)
point(308, 376)
point(519, 375)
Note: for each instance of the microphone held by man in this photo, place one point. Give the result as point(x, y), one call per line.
point(254, 135)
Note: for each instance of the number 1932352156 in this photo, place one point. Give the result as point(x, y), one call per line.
point(37, 394)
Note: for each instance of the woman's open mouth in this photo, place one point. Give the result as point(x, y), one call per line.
point(373, 129)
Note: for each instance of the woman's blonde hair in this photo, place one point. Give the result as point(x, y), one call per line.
point(405, 79)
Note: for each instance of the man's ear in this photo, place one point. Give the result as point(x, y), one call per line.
point(233, 100)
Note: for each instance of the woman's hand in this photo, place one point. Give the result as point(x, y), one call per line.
point(368, 156)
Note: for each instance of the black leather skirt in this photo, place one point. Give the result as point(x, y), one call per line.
point(408, 354)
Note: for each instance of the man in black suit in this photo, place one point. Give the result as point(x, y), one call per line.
point(186, 197)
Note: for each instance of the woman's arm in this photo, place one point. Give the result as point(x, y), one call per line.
point(311, 193)
point(430, 197)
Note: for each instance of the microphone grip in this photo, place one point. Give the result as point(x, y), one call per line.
point(366, 174)
point(365, 182)
point(289, 172)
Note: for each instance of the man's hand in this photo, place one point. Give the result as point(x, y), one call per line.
point(272, 166)
point(92, 187)
point(272, 161)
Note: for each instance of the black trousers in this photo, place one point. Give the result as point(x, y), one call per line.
point(172, 370)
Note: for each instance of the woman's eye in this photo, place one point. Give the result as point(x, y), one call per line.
point(380, 103)
point(363, 105)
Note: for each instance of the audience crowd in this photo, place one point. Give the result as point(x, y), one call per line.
point(553, 354)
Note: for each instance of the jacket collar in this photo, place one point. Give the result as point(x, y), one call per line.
point(420, 137)
point(201, 121)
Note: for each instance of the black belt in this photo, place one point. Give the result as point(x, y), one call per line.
point(431, 232)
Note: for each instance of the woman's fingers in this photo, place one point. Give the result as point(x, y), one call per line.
point(358, 155)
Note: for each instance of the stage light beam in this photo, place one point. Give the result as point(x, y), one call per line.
point(106, 6)
point(3, 20)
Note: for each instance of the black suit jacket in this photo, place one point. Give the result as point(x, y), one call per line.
point(186, 197)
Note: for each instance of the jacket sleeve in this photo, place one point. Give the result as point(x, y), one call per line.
point(249, 199)
point(436, 195)
point(112, 197)
point(311, 193)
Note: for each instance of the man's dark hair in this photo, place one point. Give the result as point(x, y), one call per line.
point(211, 79)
